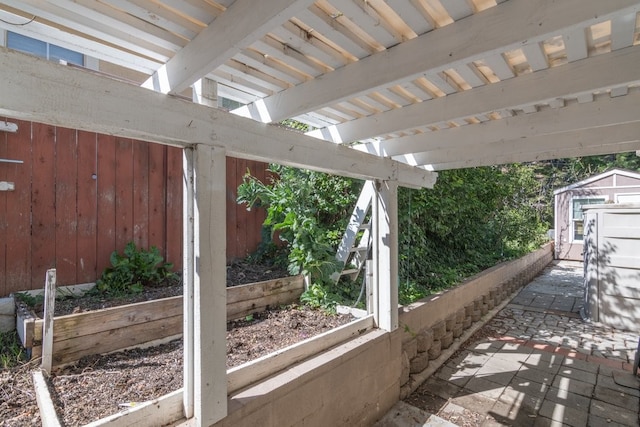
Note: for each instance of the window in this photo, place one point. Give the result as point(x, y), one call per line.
point(43, 49)
point(577, 222)
point(628, 198)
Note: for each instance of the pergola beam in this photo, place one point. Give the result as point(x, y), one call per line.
point(591, 75)
point(604, 111)
point(35, 89)
point(619, 147)
point(242, 23)
point(495, 31)
point(601, 140)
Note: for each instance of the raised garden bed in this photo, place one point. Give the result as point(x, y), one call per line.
point(116, 328)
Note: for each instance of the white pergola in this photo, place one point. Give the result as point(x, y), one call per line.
point(392, 90)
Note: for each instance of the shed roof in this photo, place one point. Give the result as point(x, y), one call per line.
point(627, 173)
point(437, 84)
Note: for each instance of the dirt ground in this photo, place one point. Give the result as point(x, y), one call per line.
point(98, 386)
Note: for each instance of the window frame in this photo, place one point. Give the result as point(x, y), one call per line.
point(47, 46)
point(573, 221)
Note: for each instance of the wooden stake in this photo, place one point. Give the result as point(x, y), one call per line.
point(47, 331)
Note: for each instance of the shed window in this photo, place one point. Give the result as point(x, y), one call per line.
point(43, 49)
point(577, 221)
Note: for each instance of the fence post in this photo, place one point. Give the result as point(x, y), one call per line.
point(47, 327)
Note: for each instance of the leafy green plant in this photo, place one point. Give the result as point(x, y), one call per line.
point(28, 299)
point(317, 297)
point(308, 211)
point(11, 351)
point(409, 292)
point(131, 272)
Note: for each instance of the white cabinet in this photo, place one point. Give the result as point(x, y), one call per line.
point(612, 265)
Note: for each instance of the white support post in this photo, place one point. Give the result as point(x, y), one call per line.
point(205, 92)
point(385, 252)
point(188, 262)
point(210, 292)
point(204, 270)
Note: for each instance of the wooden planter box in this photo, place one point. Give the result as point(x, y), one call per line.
point(111, 329)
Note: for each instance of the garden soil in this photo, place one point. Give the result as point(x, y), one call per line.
point(98, 386)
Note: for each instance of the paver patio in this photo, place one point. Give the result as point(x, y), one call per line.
point(536, 363)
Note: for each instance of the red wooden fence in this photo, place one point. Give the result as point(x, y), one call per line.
point(80, 195)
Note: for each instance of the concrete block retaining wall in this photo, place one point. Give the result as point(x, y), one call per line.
point(353, 384)
point(357, 382)
point(431, 325)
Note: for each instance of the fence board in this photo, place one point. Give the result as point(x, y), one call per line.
point(66, 177)
point(157, 214)
point(174, 206)
point(240, 232)
point(18, 259)
point(86, 239)
point(124, 192)
point(42, 203)
point(231, 207)
point(3, 211)
point(259, 170)
point(106, 202)
point(141, 193)
point(242, 216)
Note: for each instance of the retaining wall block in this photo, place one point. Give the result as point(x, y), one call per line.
point(404, 374)
point(419, 363)
point(447, 340)
point(484, 309)
point(411, 348)
point(486, 298)
point(405, 391)
point(477, 314)
point(460, 315)
point(435, 350)
point(457, 330)
point(504, 291)
point(439, 329)
point(490, 304)
point(477, 303)
point(468, 309)
point(450, 322)
point(511, 285)
point(424, 340)
point(466, 324)
point(494, 296)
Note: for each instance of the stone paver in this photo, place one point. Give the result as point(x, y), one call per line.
point(542, 365)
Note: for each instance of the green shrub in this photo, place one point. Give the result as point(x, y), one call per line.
point(131, 272)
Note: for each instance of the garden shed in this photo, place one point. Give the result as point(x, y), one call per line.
point(614, 186)
point(393, 91)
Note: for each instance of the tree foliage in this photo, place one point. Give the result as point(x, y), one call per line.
point(307, 210)
point(472, 219)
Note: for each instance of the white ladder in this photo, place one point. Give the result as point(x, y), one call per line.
point(352, 255)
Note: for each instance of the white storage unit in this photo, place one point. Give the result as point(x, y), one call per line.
point(612, 265)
